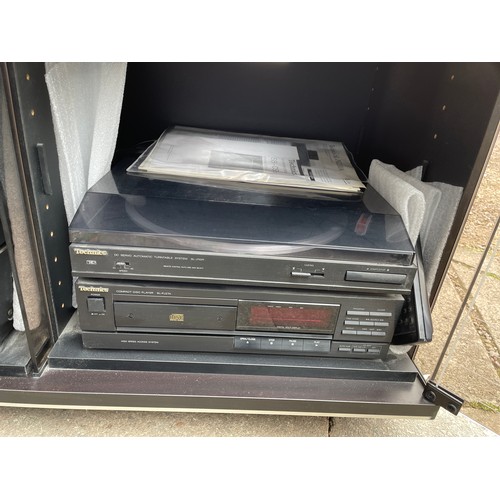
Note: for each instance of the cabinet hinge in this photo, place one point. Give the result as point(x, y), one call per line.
point(442, 397)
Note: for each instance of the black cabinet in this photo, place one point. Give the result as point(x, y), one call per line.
point(442, 116)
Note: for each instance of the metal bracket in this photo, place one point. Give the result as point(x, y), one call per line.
point(442, 397)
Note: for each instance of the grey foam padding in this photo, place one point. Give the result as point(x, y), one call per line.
point(439, 230)
point(404, 197)
point(23, 256)
point(431, 220)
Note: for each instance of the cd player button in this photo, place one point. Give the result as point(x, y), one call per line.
point(95, 305)
point(349, 332)
point(358, 313)
point(271, 344)
point(366, 323)
point(344, 349)
point(361, 332)
point(377, 313)
point(380, 323)
point(359, 349)
point(379, 334)
point(293, 344)
point(349, 322)
point(249, 343)
point(374, 350)
point(317, 345)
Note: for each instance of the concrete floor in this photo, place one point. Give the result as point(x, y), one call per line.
point(223, 468)
point(38, 422)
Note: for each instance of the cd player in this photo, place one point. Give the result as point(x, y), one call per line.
point(178, 316)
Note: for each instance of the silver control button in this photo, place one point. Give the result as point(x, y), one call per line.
point(377, 313)
point(366, 323)
point(350, 322)
point(359, 349)
point(360, 332)
point(379, 334)
point(344, 349)
point(358, 313)
point(349, 332)
point(300, 274)
point(390, 278)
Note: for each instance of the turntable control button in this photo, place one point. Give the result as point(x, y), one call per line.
point(122, 265)
point(393, 279)
point(301, 274)
point(95, 305)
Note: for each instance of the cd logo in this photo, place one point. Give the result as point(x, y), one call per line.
point(176, 317)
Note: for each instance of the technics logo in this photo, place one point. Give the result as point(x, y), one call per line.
point(84, 251)
point(93, 289)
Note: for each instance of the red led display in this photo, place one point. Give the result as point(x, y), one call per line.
point(291, 317)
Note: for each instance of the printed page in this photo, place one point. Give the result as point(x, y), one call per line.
point(205, 154)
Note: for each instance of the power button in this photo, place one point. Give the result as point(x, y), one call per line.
point(96, 305)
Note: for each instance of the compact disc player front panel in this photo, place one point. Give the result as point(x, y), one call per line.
point(147, 315)
point(98, 261)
